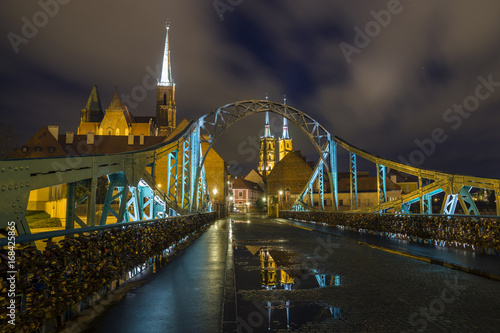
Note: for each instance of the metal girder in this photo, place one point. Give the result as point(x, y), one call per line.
point(426, 204)
point(185, 174)
point(116, 181)
point(466, 202)
point(321, 278)
point(449, 204)
point(381, 183)
point(332, 175)
point(194, 167)
point(146, 200)
point(203, 197)
point(172, 174)
point(353, 181)
point(321, 188)
point(132, 203)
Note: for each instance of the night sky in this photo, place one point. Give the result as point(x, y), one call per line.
point(395, 86)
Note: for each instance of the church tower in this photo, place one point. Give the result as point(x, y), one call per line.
point(267, 158)
point(285, 144)
point(93, 110)
point(165, 95)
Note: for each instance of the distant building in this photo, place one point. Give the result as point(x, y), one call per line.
point(245, 194)
point(116, 131)
point(268, 156)
point(256, 177)
point(408, 183)
point(289, 177)
point(118, 120)
point(367, 190)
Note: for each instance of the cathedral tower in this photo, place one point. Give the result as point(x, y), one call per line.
point(267, 158)
point(285, 144)
point(93, 110)
point(165, 95)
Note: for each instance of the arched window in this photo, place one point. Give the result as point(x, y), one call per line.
point(164, 98)
point(117, 131)
point(126, 131)
point(100, 131)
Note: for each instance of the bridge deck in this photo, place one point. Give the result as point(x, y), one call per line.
point(280, 267)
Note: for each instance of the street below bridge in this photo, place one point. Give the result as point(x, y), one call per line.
point(259, 275)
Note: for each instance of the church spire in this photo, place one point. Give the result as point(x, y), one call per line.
point(166, 70)
point(285, 136)
point(285, 124)
point(267, 133)
point(166, 111)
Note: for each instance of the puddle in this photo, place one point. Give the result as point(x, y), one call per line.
point(274, 293)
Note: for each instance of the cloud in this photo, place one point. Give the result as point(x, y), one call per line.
point(395, 91)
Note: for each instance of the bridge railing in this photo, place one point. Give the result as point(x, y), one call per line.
point(447, 230)
point(55, 284)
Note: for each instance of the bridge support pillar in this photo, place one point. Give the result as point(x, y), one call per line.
point(354, 181)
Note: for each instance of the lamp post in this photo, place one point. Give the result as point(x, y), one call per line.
point(279, 203)
point(215, 201)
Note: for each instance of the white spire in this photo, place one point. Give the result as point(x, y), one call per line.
point(285, 124)
point(285, 129)
point(267, 133)
point(166, 70)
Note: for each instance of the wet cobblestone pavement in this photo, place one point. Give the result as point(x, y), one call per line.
point(291, 279)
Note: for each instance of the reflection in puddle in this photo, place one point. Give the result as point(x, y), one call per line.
point(281, 279)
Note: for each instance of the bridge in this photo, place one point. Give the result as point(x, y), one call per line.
point(133, 175)
point(142, 202)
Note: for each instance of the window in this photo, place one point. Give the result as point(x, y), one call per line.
point(25, 149)
point(240, 202)
point(341, 202)
point(38, 148)
point(164, 98)
point(240, 194)
point(52, 149)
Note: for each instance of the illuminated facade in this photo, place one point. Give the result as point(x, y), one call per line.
point(267, 156)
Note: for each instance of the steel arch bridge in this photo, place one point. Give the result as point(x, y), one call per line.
point(131, 175)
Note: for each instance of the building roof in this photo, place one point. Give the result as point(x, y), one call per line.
point(117, 105)
point(94, 102)
point(402, 177)
point(366, 184)
point(292, 172)
point(43, 144)
point(243, 184)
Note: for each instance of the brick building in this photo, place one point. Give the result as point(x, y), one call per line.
point(245, 194)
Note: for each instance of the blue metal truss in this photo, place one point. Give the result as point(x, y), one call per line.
point(321, 188)
point(185, 200)
point(194, 167)
point(354, 181)
point(381, 183)
point(333, 177)
point(173, 158)
point(119, 182)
